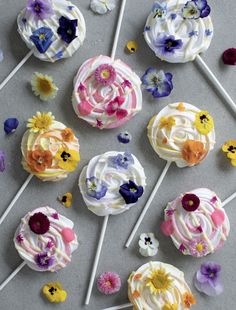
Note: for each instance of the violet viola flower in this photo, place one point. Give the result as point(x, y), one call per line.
point(196, 9)
point(67, 29)
point(42, 39)
point(2, 160)
point(95, 188)
point(168, 44)
point(131, 192)
point(43, 260)
point(121, 160)
point(207, 279)
point(10, 125)
point(157, 82)
point(41, 9)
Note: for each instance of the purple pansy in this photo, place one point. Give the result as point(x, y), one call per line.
point(2, 161)
point(190, 202)
point(43, 260)
point(157, 82)
point(96, 188)
point(131, 192)
point(10, 125)
point(121, 160)
point(42, 39)
point(41, 9)
point(67, 29)
point(196, 9)
point(207, 279)
point(168, 44)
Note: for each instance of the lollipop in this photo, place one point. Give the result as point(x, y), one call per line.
point(179, 133)
point(50, 151)
point(107, 92)
point(52, 30)
point(45, 240)
point(178, 31)
point(158, 286)
point(196, 222)
point(111, 184)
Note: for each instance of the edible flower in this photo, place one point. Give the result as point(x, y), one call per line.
point(40, 122)
point(41, 38)
point(67, 159)
point(204, 122)
point(229, 147)
point(96, 188)
point(148, 244)
point(109, 283)
point(54, 292)
point(43, 86)
point(131, 192)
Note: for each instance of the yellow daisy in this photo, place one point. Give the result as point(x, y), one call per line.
point(43, 86)
point(40, 122)
point(167, 122)
point(204, 122)
point(159, 281)
point(67, 159)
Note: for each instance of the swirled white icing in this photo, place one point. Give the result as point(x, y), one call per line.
point(198, 224)
point(126, 85)
point(168, 144)
point(196, 34)
point(142, 298)
point(59, 48)
point(112, 177)
point(29, 245)
point(50, 140)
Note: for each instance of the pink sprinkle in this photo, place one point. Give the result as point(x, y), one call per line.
point(55, 216)
point(170, 212)
point(218, 217)
point(68, 234)
point(81, 87)
point(109, 283)
point(50, 244)
point(126, 83)
point(182, 248)
point(199, 228)
point(19, 238)
point(99, 123)
point(214, 199)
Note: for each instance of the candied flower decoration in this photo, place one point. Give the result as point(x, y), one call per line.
point(204, 122)
point(40, 122)
point(109, 283)
point(196, 9)
point(158, 83)
point(42, 39)
point(66, 199)
point(148, 245)
point(39, 160)
point(41, 9)
point(43, 260)
point(43, 86)
point(229, 148)
point(124, 137)
point(159, 10)
point(67, 135)
point(54, 292)
point(2, 160)
point(207, 279)
point(168, 44)
point(96, 188)
point(190, 202)
point(121, 161)
point(131, 192)
point(10, 125)
point(102, 6)
point(39, 223)
point(114, 108)
point(105, 74)
point(193, 151)
point(67, 159)
point(198, 247)
point(188, 299)
point(229, 56)
point(132, 46)
point(67, 29)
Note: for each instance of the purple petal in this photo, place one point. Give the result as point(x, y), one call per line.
point(205, 12)
point(201, 277)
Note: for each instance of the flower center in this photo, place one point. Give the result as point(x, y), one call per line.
point(204, 119)
point(108, 283)
point(45, 86)
point(105, 74)
point(133, 190)
point(42, 36)
point(193, 11)
point(190, 202)
point(65, 156)
point(148, 240)
point(37, 8)
point(42, 123)
point(169, 44)
point(158, 13)
point(199, 247)
point(93, 186)
point(52, 290)
point(159, 282)
point(69, 31)
point(232, 149)
point(40, 160)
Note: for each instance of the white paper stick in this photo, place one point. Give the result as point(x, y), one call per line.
point(17, 196)
point(229, 199)
point(96, 260)
point(13, 72)
point(150, 199)
point(118, 27)
point(12, 275)
point(119, 307)
point(216, 83)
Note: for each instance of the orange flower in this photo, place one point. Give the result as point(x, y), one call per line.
point(67, 135)
point(38, 160)
point(193, 151)
point(181, 107)
point(188, 299)
point(138, 276)
point(136, 294)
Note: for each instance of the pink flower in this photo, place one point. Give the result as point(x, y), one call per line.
point(105, 74)
point(114, 108)
point(84, 107)
point(109, 283)
point(126, 83)
point(198, 247)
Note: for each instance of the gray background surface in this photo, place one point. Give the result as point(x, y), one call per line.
point(190, 85)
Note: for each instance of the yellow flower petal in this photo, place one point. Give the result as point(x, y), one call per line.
point(132, 46)
point(167, 122)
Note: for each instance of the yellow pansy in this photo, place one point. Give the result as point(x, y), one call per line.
point(66, 199)
point(229, 147)
point(40, 122)
point(167, 122)
point(159, 281)
point(54, 293)
point(204, 122)
point(169, 306)
point(132, 46)
point(43, 86)
point(67, 159)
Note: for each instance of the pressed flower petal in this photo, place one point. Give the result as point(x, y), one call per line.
point(10, 125)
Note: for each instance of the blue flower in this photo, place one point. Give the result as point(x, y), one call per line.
point(96, 188)
point(42, 38)
point(159, 10)
point(43, 260)
point(67, 29)
point(147, 28)
point(168, 44)
point(193, 33)
point(10, 125)
point(208, 32)
point(124, 137)
point(131, 192)
point(121, 160)
point(2, 160)
point(173, 16)
point(157, 82)
point(195, 9)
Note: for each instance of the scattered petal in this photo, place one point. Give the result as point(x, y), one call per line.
point(124, 137)
point(109, 283)
point(229, 56)
point(66, 199)
point(43, 86)
point(148, 244)
point(10, 125)
point(167, 228)
point(54, 293)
